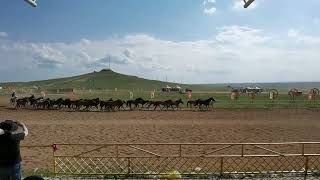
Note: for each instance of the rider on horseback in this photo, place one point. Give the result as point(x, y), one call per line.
point(13, 95)
point(13, 98)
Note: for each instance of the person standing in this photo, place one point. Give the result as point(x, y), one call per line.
point(10, 157)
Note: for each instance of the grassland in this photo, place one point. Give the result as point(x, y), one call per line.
point(110, 80)
point(222, 99)
point(107, 84)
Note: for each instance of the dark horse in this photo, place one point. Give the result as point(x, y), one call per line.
point(117, 104)
point(155, 104)
point(205, 103)
point(141, 101)
point(136, 103)
point(170, 103)
point(192, 103)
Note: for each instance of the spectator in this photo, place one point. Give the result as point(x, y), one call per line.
point(10, 157)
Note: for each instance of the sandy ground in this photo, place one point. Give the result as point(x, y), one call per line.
point(47, 127)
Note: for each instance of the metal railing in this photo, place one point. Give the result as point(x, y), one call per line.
point(223, 160)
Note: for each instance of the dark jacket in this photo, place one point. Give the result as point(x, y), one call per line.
point(10, 149)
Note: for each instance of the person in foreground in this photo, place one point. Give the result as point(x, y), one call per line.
point(10, 157)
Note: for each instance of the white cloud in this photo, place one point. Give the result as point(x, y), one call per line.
point(300, 37)
point(241, 35)
point(235, 54)
point(3, 34)
point(209, 7)
point(238, 5)
point(293, 33)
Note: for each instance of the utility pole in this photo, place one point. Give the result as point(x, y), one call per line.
point(109, 63)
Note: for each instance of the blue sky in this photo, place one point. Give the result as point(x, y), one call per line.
point(191, 41)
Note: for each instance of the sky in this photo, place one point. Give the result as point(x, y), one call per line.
point(184, 41)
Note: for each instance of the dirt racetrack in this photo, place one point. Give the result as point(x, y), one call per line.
point(47, 127)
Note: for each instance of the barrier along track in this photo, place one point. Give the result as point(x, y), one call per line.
point(185, 160)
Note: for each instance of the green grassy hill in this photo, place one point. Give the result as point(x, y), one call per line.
point(108, 79)
point(104, 79)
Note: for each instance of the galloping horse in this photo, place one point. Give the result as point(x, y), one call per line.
point(192, 103)
point(206, 103)
point(136, 103)
point(170, 103)
point(155, 104)
point(140, 101)
point(117, 104)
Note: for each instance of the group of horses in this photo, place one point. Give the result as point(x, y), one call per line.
point(108, 105)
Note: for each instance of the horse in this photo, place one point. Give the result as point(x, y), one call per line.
point(106, 105)
point(129, 104)
point(170, 103)
point(294, 93)
point(206, 102)
point(18, 103)
point(140, 101)
point(117, 104)
point(90, 103)
point(13, 102)
point(192, 103)
point(57, 103)
point(155, 104)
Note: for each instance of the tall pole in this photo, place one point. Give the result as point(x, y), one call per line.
point(109, 63)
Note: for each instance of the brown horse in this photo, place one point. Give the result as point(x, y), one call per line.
point(155, 104)
point(294, 93)
point(172, 104)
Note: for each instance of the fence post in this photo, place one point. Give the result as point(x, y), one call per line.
point(242, 150)
point(54, 162)
point(129, 166)
point(221, 166)
point(117, 150)
point(306, 167)
point(54, 149)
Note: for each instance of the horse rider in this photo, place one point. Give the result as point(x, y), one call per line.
point(13, 96)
